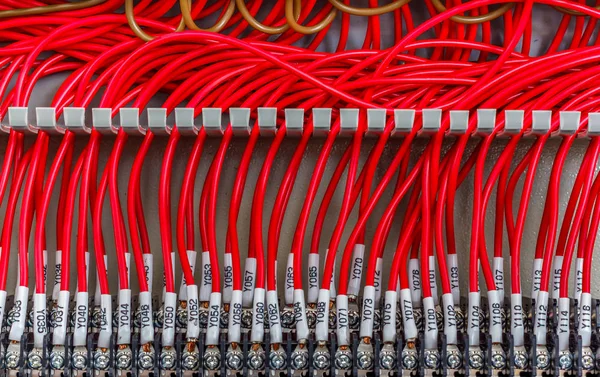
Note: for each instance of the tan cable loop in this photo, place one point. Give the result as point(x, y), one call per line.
point(49, 9)
point(368, 11)
point(186, 13)
point(474, 19)
point(573, 12)
point(254, 23)
point(137, 30)
point(289, 16)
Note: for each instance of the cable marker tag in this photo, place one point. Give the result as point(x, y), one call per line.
point(474, 319)
point(214, 319)
point(168, 334)
point(302, 331)
point(431, 329)
point(449, 318)
point(57, 274)
point(541, 317)
point(585, 319)
point(40, 315)
point(368, 312)
point(105, 322)
point(258, 316)
point(495, 308)
point(537, 277)
point(275, 332)
point(342, 331)
point(408, 314)
point(206, 284)
point(517, 328)
point(322, 326)
point(289, 280)
point(389, 317)
point(454, 282)
point(313, 278)
point(433, 280)
point(148, 270)
point(227, 277)
point(235, 317)
point(61, 320)
point(414, 281)
point(377, 281)
point(564, 309)
point(147, 330)
point(20, 306)
point(193, 312)
point(358, 257)
point(124, 317)
point(249, 283)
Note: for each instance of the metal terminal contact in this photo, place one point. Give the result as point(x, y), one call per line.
point(300, 357)
point(311, 316)
point(124, 357)
point(542, 358)
point(96, 317)
point(234, 358)
point(521, 359)
point(13, 356)
point(57, 358)
point(364, 355)
point(288, 319)
point(476, 358)
point(588, 361)
point(224, 318)
point(322, 357)
point(101, 359)
point(256, 357)
point(212, 358)
point(168, 358)
point(159, 317)
point(353, 313)
point(343, 358)
point(277, 358)
point(190, 359)
point(454, 358)
point(203, 315)
point(565, 360)
point(246, 318)
point(498, 357)
point(410, 357)
point(418, 316)
point(431, 359)
point(79, 359)
point(35, 359)
point(460, 318)
point(145, 359)
point(387, 357)
point(181, 315)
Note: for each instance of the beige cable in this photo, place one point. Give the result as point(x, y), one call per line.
point(186, 13)
point(573, 12)
point(254, 23)
point(49, 9)
point(289, 16)
point(137, 30)
point(368, 11)
point(474, 19)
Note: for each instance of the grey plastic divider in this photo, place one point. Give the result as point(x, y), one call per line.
point(267, 119)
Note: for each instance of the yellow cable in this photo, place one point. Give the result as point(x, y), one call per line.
point(186, 13)
point(49, 9)
point(474, 19)
point(241, 6)
point(368, 11)
point(289, 16)
point(137, 30)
